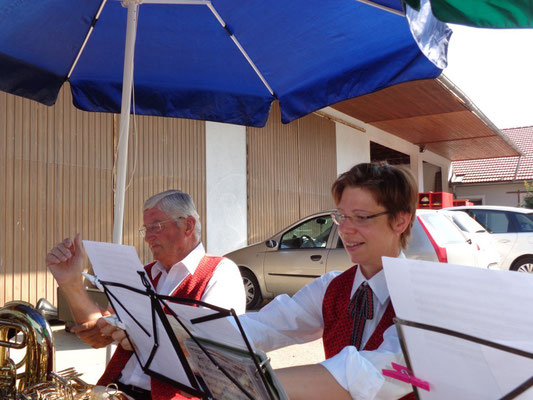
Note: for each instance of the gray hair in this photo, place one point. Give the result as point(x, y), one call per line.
point(175, 204)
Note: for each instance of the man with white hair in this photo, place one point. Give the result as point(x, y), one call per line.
point(181, 268)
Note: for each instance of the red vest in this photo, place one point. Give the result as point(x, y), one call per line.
point(192, 287)
point(338, 323)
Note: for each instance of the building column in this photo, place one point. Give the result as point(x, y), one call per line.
point(226, 207)
point(417, 168)
point(353, 147)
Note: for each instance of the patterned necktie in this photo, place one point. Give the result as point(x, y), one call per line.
point(361, 308)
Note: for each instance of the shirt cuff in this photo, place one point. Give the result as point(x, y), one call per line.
point(355, 373)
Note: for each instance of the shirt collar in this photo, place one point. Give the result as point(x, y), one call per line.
point(377, 283)
point(190, 262)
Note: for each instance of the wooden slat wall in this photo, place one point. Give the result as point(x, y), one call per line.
point(318, 163)
point(272, 170)
point(290, 171)
point(170, 155)
point(56, 179)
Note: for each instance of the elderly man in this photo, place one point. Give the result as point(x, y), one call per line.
point(181, 268)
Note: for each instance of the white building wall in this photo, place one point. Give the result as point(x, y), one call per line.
point(226, 206)
point(353, 146)
point(495, 194)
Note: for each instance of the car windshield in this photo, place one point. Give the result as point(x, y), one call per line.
point(442, 229)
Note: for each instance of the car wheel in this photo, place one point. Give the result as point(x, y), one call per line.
point(251, 288)
point(523, 265)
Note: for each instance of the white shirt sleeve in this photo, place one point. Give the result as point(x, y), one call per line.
point(286, 321)
point(360, 372)
point(225, 288)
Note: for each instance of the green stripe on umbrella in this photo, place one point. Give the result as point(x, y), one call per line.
point(482, 13)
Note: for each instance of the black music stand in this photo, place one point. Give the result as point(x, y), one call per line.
point(212, 369)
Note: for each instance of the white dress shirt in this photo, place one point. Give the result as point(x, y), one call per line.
point(225, 289)
point(286, 321)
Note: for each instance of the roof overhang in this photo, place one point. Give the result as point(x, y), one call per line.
point(433, 114)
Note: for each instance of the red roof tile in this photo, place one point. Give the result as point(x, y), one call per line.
point(504, 168)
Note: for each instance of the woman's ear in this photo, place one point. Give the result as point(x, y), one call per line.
point(401, 222)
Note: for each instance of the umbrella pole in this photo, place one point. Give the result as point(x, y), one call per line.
point(122, 151)
point(124, 130)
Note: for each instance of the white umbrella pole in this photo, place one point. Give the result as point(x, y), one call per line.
point(122, 151)
point(124, 130)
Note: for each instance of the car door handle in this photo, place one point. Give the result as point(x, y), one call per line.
point(504, 240)
point(316, 257)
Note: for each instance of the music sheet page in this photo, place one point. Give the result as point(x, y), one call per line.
point(488, 304)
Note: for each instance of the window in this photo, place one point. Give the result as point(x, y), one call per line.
point(442, 229)
point(311, 233)
point(466, 223)
point(493, 221)
point(524, 222)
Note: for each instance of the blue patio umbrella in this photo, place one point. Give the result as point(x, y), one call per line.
point(218, 60)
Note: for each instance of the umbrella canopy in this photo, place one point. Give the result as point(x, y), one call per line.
point(482, 13)
point(217, 60)
point(308, 54)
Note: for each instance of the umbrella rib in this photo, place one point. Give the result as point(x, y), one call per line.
point(239, 46)
point(93, 23)
point(381, 7)
point(181, 2)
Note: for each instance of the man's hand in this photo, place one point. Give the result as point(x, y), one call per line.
point(116, 334)
point(67, 261)
point(90, 334)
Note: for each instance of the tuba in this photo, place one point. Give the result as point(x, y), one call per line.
point(31, 376)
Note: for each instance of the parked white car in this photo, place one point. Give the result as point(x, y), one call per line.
point(488, 256)
point(512, 229)
point(451, 244)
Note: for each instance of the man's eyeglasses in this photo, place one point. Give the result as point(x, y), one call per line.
point(357, 220)
point(156, 227)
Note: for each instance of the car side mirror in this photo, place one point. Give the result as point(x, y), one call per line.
point(271, 243)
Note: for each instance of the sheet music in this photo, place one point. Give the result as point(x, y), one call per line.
point(489, 304)
point(119, 263)
point(239, 366)
point(221, 330)
point(115, 262)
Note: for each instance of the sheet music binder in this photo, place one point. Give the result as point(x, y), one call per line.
point(260, 383)
point(400, 323)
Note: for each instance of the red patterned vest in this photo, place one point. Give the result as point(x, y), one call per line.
point(192, 287)
point(338, 323)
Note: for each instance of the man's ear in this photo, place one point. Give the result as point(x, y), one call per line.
point(190, 223)
point(401, 222)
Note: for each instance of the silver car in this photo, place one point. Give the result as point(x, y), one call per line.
point(311, 247)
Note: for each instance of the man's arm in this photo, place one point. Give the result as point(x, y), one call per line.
point(66, 262)
point(309, 382)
